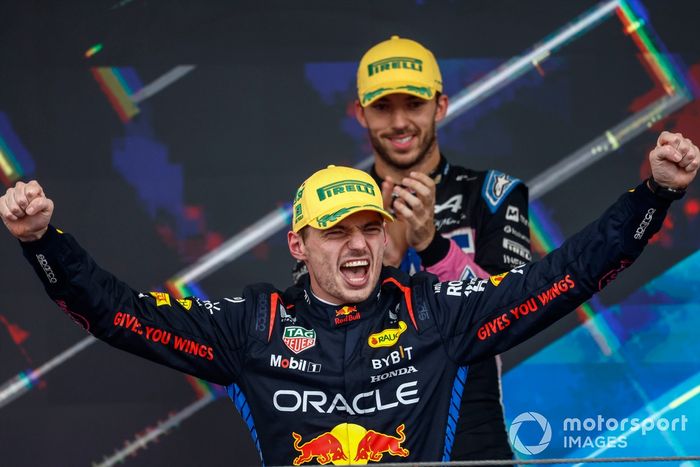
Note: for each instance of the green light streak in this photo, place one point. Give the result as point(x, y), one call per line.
point(659, 60)
point(93, 50)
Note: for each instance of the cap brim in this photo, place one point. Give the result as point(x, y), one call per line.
point(329, 219)
point(417, 89)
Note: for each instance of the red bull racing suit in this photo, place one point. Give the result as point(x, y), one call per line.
point(482, 219)
point(376, 381)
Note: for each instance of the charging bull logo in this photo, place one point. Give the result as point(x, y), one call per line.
point(373, 445)
point(325, 448)
point(346, 310)
point(348, 443)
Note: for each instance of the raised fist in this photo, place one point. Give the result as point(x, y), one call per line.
point(674, 161)
point(26, 211)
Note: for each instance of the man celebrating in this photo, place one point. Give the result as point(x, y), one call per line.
point(356, 364)
point(454, 222)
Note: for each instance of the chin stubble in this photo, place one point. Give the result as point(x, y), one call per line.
point(404, 165)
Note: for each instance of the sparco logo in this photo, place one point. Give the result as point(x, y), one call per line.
point(47, 269)
point(644, 224)
point(294, 364)
point(527, 417)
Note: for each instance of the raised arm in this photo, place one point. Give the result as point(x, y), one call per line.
point(202, 338)
point(486, 317)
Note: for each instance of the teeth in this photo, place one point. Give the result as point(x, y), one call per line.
point(405, 139)
point(356, 263)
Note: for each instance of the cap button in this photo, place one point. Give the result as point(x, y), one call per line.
point(394, 37)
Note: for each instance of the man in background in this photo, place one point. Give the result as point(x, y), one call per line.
point(477, 219)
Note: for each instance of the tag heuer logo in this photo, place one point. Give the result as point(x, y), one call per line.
point(298, 339)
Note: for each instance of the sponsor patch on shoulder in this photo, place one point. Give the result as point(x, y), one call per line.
point(162, 298)
point(185, 303)
point(496, 188)
point(496, 280)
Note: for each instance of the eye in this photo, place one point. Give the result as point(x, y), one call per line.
point(380, 106)
point(416, 104)
point(373, 229)
point(334, 233)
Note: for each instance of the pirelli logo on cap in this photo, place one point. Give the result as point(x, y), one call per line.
point(344, 186)
point(394, 63)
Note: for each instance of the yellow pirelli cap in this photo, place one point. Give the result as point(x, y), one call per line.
point(397, 65)
point(332, 194)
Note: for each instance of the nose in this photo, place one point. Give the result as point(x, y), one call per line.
point(399, 119)
point(357, 241)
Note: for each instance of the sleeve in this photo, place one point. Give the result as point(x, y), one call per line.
point(203, 338)
point(444, 258)
point(503, 237)
point(480, 318)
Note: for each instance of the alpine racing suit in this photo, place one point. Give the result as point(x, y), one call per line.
point(482, 219)
point(365, 382)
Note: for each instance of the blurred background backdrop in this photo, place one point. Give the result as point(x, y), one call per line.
point(162, 129)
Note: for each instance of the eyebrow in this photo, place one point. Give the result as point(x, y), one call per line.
point(375, 223)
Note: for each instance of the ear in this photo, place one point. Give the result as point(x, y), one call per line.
point(441, 111)
point(360, 114)
point(296, 246)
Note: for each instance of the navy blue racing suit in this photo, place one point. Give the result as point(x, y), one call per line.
point(375, 381)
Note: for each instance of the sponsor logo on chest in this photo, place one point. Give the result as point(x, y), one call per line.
point(298, 339)
point(387, 337)
point(292, 363)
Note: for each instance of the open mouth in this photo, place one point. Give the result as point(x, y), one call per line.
point(401, 142)
point(355, 272)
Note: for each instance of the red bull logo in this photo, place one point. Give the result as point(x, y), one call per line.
point(324, 448)
point(374, 444)
point(348, 443)
point(346, 310)
point(346, 315)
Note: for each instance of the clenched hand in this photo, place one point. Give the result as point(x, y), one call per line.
point(26, 211)
point(674, 161)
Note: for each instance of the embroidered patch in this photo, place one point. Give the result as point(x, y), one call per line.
point(298, 339)
point(496, 187)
